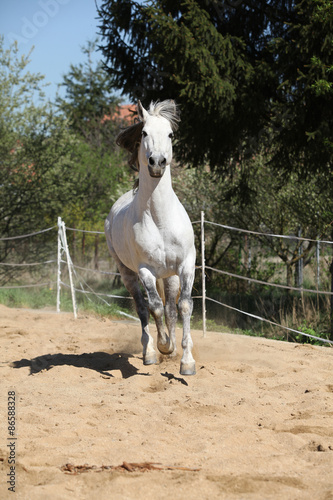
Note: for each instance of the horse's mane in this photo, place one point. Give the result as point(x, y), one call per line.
point(130, 137)
point(168, 109)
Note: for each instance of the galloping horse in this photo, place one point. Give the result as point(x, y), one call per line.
point(150, 235)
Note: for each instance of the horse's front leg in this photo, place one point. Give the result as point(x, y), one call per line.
point(156, 308)
point(185, 307)
point(131, 282)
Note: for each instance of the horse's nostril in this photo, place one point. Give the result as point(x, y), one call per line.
point(162, 162)
point(151, 161)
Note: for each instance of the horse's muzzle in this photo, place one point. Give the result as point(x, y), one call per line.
point(156, 165)
point(156, 171)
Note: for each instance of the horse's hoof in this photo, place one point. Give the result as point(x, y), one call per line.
point(166, 348)
point(150, 359)
point(187, 368)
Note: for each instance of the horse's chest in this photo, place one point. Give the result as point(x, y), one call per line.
point(157, 247)
point(161, 243)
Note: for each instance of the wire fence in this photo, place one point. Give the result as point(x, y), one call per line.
point(79, 285)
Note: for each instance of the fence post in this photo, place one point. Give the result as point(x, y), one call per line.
point(59, 265)
point(318, 263)
point(69, 264)
point(64, 246)
point(299, 264)
point(203, 273)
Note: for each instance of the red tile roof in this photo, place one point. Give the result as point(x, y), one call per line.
point(124, 112)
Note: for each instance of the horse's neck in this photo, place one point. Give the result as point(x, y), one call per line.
point(155, 194)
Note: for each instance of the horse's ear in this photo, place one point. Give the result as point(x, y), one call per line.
point(143, 114)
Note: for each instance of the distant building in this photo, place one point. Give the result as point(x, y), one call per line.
point(124, 113)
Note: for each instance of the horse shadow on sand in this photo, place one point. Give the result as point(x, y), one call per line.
point(100, 362)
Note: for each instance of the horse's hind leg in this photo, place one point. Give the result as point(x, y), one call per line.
point(185, 307)
point(131, 282)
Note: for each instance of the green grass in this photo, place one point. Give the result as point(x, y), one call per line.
point(211, 325)
point(39, 298)
point(33, 298)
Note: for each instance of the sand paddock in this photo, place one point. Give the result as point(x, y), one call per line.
point(256, 422)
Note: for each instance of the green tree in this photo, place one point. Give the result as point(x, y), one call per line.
point(236, 69)
point(252, 78)
point(183, 50)
point(89, 102)
point(92, 111)
point(303, 60)
point(276, 204)
point(200, 190)
point(269, 203)
point(36, 174)
point(91, 108)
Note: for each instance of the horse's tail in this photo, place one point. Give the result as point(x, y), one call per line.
point(160, 289)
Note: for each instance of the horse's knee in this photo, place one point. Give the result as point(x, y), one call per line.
point(185, 306)
point(155, 303)
point(156, 308)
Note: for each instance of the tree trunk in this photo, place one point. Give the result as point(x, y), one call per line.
point(83, 247)
point(299, 263)
point(289, 274)
point(96, 251)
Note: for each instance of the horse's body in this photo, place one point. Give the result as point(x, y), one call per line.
point(150, 235)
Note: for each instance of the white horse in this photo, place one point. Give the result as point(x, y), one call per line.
point(150, 235)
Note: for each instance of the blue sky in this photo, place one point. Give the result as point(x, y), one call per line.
point(57, 29)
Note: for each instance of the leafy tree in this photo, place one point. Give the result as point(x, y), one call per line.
point(89, 103)
point(168, 49)
point(281, 205)
point(252, 78)
point(92, 111)
point(244, 72)
point(277, 204)
point(303, 60)
point(199, 190)
point(36, 174)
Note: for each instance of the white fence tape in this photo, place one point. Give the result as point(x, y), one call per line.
point(28, 264)
point(29, 286)
point(276, 285)
point(97, 271)
point(83, 230)
point(64, 250)
point(203, 267)
point(92, 292)
point(28, 235)
point(269, 235)
point(270, 322)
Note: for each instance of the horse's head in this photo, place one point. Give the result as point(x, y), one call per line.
point(158, 124)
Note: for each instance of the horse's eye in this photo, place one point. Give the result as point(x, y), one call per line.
point(144, 133)
point(171, 135)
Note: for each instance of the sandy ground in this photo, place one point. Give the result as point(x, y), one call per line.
point(256, 419)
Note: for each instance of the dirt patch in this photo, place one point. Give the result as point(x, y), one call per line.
point(255, 422)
